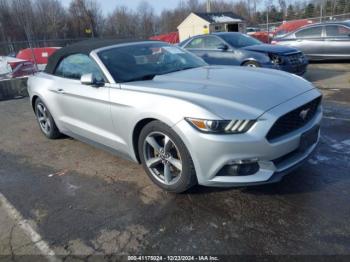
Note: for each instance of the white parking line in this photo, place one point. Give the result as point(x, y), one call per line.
point(37, 240)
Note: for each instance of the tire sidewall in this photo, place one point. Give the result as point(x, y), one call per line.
point(188, 176)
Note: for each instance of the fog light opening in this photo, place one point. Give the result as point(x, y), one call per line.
point(240, 168)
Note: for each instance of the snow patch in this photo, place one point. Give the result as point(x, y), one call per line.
point(346, 142)
point(317, 159)
point(224, 19)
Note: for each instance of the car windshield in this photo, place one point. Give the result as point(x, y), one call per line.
point(238, 40)
point(146, 60)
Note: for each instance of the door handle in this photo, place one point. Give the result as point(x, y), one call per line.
point(60, 91)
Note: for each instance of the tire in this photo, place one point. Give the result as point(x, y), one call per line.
point(160, 158)
point(46, 122)
point(251, 64)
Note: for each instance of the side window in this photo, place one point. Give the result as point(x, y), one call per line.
point(74, 66)
point(313, 32)
point(337, 31)
point(196, 43)
point(212, 42)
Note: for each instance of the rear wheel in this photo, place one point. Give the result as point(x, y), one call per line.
point(45, 120)
point(251, 64)
point(165, 158)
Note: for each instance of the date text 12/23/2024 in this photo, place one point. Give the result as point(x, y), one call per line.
point(174, 258)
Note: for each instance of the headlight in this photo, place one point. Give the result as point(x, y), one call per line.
point(221, 126)
point(277, 60)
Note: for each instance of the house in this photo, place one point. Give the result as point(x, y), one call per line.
point(205, 23)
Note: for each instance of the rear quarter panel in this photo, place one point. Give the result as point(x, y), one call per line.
point(42, 85)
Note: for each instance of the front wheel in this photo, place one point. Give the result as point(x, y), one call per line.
point(165, 158)
point(251, 64)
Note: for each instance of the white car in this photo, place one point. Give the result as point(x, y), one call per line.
point(185, 121)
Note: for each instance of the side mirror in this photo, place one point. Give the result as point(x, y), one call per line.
point(91, 80)
point(223, 47)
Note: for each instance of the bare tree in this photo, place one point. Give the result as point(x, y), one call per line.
point(24, 15)
point(121, 23)
point(145, 19)
point(51, 18)
point(283, 7)
point(6, 20)
point(85, 17)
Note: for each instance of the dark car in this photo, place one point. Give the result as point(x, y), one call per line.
point(323, 41)
point(242, 50)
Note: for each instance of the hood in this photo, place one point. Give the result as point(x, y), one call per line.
point(275, 49)
point(227, 91)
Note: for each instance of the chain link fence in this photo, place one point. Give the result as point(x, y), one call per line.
point(272, 26)
point(11, 48)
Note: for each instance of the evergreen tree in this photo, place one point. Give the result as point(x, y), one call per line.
point(309, 10)
point(291, 12)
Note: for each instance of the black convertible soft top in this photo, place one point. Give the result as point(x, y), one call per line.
point(83, 47)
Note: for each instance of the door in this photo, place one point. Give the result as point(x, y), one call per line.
point(232, 28)
point(337, 41)
point(84, 109)
point(310, 41)
point(210, 49)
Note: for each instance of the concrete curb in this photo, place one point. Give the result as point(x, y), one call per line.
point(13, 88)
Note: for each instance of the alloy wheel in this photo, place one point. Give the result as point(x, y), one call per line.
point(162, 158)
point(251, 65)
point(43, 118)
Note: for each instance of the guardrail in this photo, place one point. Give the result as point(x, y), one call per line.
point(13, 88)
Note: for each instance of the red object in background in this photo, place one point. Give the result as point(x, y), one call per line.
point(172, 38)
point(291, 26)
point(262, 36)
point(25, 68)
point(41, 54)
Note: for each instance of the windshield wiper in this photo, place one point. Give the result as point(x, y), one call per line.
point(144, 77)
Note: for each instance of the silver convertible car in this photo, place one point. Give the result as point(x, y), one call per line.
point(184, 121)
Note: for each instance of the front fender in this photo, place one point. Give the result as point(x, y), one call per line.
point(261, 58)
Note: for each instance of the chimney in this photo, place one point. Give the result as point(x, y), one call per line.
point(208, 6)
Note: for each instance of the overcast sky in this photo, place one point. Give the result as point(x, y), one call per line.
point(109, 5)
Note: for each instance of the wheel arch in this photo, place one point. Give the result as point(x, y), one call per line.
point(250, 60)
point(136, 135)
point(34, 98)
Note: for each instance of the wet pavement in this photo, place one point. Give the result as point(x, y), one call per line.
point(84, 201)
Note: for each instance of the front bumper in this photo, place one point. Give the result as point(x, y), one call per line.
point(298, 69)
point(210, 153)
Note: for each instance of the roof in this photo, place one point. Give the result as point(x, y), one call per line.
point(290, 26)
point(83, 47)
point(346, 23)
point(220, 17)
point(172, 37)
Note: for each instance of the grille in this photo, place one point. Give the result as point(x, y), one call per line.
point(296, 59)
point(293, 120)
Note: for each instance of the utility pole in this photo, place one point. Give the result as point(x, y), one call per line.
point(208, 6)
point(267, 23)
point(268, 5)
